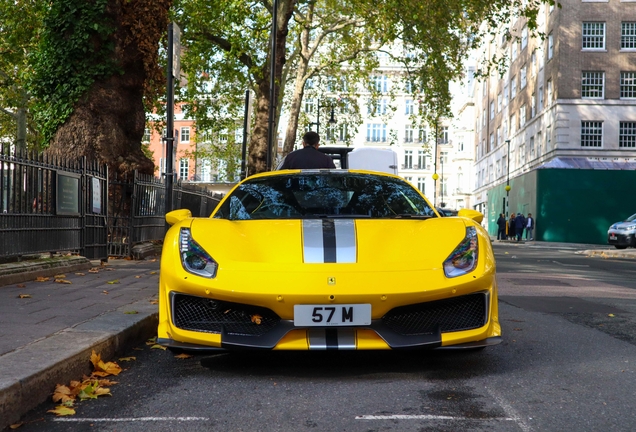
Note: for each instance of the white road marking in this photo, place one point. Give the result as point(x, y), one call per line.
point(510, 411)
point(571, 265)
point(425, 417)
point(130, 419)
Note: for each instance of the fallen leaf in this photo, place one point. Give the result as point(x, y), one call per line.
point(62, 394)
point(21, 285)
point(257, 319)
point(157, 346)
point(60, 276)
point(154, 301)
point(24, 296)
point(94, 270)
point(137, 277)
point(133, 312)
point(63, 281)
point(153, 272)
point(42, 279)
point(102, 368)
point(62, 410)
point(116, 281)
point(81, 274)
point(183, 356)
point(106, 382)
point(16, 425)
point(104, 292)
point(610, 315)
point(126, 359)
point(103, 263)
point(151, 341)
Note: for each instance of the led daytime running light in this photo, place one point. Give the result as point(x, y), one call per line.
point(463, 260)
point(194, 258)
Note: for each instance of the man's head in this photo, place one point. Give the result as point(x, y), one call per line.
point(529, 214)
point(311, 138)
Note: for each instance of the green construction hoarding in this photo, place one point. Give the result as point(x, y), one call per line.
point(569, 205)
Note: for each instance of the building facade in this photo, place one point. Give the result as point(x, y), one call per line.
point(567, 102)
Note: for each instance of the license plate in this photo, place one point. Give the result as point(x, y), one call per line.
point(332, 315)
point(612, 236)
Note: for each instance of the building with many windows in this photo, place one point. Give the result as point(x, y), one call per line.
point(559, 127)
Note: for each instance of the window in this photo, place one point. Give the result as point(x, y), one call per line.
point(539, 143)
point(376, 108)
point(531, 147)
point(592, 85)
point(206, 171)
point(343, 133)
point(593, 35)
point(504, 164)
point(421, 160)
point(408, 107)
point(483, 117)
point(491, 143)
point(492, 110)
point(524, 37)
point(513, 50)
point(443, 157)
point(309, 105)
point(422, 136)
point(380, 83)
point(498, 168)
point(376, 132)
point(522, 115)
point(522, 154)
point(146, 137)
point(184, 168)
point(443, 135)
point(499, 135)
point(420, 184)
point(523, 77)
point(627, 134)
point(408, 159)
point(628, 85)
point(533, 63)
point(540, 101)
point(513, 124)
point(550, 46)
point(162, 166)
point(408, 133)
point(591, 134)
point(533, 105)
point(513, 87)
point(628, 35)
point(506, 95)
point(499, 102)
point(185, 134)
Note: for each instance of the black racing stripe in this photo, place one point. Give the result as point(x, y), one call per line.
point(329, 240)
point(331, 339)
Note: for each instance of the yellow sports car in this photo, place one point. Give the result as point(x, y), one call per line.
point(327, 260)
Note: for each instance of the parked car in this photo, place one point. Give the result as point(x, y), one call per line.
point(327, 259)
point(623, 234)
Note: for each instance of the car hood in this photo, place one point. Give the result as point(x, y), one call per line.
point(623, 225)
point(398, 243)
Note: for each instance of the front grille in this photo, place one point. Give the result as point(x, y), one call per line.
point(212, 316)
point(453, 314)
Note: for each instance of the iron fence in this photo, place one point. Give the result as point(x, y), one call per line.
point(52, 205)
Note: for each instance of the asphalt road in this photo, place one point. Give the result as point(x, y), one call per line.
point(568, 363)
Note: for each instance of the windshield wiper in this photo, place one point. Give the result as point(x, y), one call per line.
point(411, 216)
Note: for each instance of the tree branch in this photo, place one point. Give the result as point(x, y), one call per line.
point(9, 113)
point(225, 45)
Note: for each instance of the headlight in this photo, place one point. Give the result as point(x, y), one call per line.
point(631, 227)
point(464, 258)
point(194, 258)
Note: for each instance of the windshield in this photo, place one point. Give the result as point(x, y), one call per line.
point(320, 195)
point(632, 218)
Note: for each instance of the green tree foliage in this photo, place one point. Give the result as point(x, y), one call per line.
point(227, 52)
point(20, 27)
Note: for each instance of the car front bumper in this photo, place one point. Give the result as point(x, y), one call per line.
point(620, 238)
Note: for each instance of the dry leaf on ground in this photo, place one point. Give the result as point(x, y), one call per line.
point(157, 346)
point(126, 359)
point(62, 394)
point(59, 276)
point(16, 425)
point(42, 279)
point(24, 296)
point(183, 356)
point(104, 292)
point(154, 301)
point(153, 272)
point(94, 270)
point(80, 274)
point(138, 277)
point(63, 281)
point(62, 410)
point(102, 368)
point(116, 281)
point(151, 341)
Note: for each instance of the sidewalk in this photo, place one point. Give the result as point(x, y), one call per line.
point(591, 250)
point(48, 328)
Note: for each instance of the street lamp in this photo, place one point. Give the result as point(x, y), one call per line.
point(442, 204)
point(332, 119)
point(507, 199)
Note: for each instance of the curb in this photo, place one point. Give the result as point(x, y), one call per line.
point(610, 254)
point(30, 373)
point(24, 271)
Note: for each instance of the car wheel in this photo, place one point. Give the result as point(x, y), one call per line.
point(620, 247)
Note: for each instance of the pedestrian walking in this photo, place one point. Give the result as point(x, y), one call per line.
point(511, 227)
point(308, 157)
point(519, 225)
point(501, 224)
point(529, 227)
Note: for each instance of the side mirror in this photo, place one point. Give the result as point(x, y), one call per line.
point(177, 216)
point(471, 214)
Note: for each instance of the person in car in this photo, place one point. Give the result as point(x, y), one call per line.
point(308, 157)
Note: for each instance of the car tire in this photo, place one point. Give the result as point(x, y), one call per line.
point(620, 247)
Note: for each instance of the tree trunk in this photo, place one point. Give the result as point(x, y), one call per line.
point(294, 110)
point(108, 122)
point(257, 160)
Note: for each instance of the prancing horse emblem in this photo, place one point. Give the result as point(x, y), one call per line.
point(331, 280)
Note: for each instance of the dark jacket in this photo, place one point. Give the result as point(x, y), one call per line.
point(307, 158)
point(501, 222)
point(520, 222)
